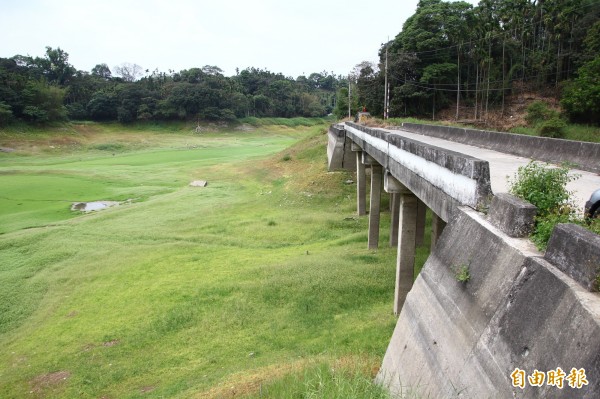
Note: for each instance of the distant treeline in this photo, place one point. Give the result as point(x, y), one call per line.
point(451, 54)
point(47, 89)
point(448, 54)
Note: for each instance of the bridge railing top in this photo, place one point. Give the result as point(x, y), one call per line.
point(583, 155)
point(465, 179)
point(463, 164)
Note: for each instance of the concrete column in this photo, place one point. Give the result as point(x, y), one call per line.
point(361, 186)
point(421, 215)
point(395, 216)
point(374, 206)
point(437, 226)
point(405, 261)
point(404, 224)
point(392, 186)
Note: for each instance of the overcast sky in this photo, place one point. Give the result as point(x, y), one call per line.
point(287, 36)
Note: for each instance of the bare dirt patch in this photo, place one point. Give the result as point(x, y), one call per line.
point(50, 381)
point(147, 389)
point(109, 344)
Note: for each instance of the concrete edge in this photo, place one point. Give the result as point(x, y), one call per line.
point(584, 155)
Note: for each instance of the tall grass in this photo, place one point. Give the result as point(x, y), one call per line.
point(338, 380)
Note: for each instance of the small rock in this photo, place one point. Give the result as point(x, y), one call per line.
point(199, 183)
point(251, 354)
point(350, 181)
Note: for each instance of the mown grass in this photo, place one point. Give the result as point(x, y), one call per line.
point(186, 290)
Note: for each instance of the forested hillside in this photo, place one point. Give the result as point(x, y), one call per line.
point(447, 56)
point(473, 59)
point(48, 88)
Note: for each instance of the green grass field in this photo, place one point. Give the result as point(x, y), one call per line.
point(258, 280)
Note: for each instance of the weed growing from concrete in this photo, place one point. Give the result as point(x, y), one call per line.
point(545, 187)
point(462, 274)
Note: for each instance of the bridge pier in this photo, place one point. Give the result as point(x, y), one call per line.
point(375, 200)
point(395, 217)
point(406, 238)
point(361, 185)
point(394, 188)
point(421, 216)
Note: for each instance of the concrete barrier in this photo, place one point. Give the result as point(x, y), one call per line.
point(339, 154)
point(512, 215)
point(576, 251)
point(584, 155)
point(441, 178)
point(515, 316)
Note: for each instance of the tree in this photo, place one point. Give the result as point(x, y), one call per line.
point(43, 102)
point(370, 87)
point(6, 114)
point(128, 72)
point(103, 106)
point(581, 98)
point(102, 71)
point(58, 69)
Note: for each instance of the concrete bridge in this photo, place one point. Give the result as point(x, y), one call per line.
point(520, 310)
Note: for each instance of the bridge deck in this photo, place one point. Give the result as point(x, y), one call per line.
point(503, 165)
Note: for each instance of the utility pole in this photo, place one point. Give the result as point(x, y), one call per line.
point(387, 107)
point(349, 111)
point(458, 82)
point(385, 86)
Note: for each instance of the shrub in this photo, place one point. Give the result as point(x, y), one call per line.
point(544, 227)
point(76, 111)
point(544, 187)
point(538, 111)
point(553, 127)
point(581, 97)
point(109, 147)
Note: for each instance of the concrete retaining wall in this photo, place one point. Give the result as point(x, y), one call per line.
point(517, 310)
point(586, 156)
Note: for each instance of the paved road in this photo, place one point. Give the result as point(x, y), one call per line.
point(503, 165)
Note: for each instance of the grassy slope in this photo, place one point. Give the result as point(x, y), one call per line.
point(188, 292)
point(572, 131)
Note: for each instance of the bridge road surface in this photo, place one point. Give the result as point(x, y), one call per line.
point(503, 165)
